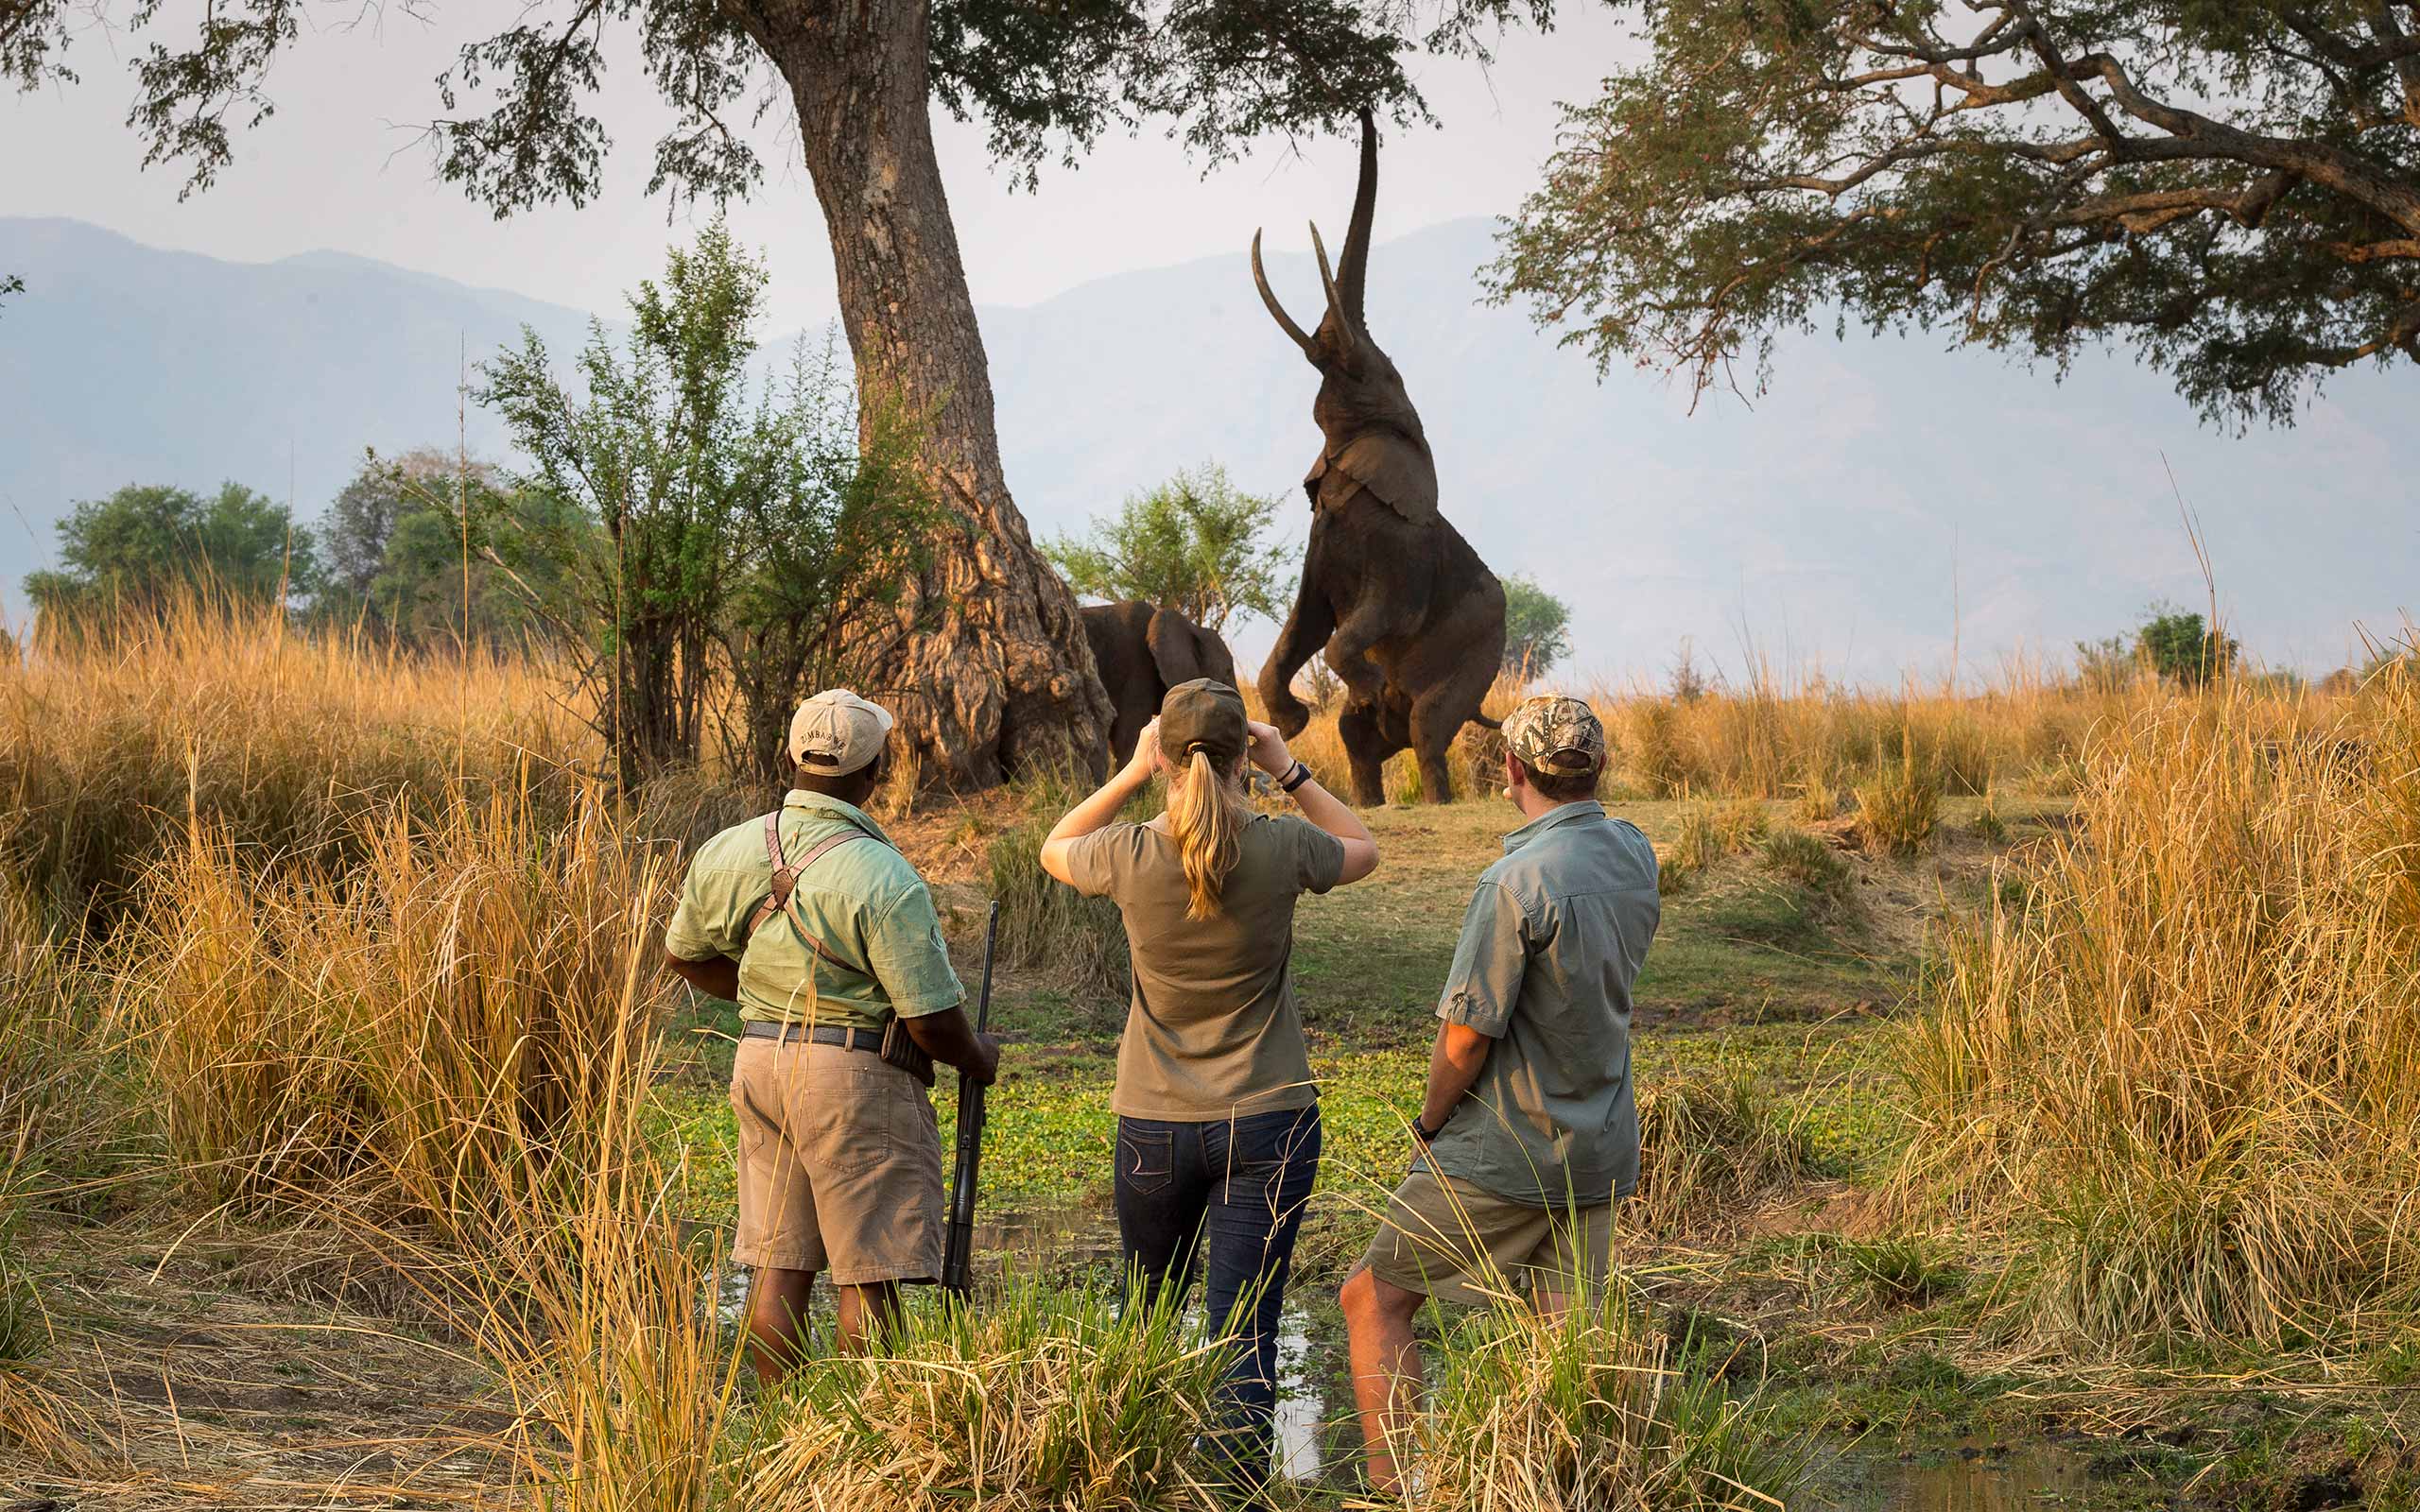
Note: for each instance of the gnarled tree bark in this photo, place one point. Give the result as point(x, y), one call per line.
point(1001, 679)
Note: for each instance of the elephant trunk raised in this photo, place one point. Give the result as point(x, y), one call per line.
point(1410, 618)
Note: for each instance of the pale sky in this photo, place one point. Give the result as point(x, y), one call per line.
point(336, 167)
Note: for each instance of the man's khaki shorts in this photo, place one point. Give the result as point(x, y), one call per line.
point(1449, 1238)
point(840, 1165)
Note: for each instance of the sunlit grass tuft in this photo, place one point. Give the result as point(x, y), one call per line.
point(1046, 1396)
point(1590, 1410)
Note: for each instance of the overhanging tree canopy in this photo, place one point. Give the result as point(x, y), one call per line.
point(998, 673)
point(2229, 187)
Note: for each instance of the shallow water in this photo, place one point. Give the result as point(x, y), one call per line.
point(1969, 1478)
point(1302, 1411)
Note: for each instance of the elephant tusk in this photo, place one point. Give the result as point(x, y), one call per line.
point(1269, 296)
point(1327, 281)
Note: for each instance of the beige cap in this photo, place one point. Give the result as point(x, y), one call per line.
point(835, 732)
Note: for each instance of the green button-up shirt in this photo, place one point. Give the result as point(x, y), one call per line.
point(1553, 938)
point(862, 900)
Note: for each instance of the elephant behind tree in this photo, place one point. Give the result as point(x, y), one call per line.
point(1142, 652)
point(1411, 621)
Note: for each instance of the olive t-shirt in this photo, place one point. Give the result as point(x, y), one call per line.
point(1214, 1031)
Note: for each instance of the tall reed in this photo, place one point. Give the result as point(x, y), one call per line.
point(1078, 942)
point(284, 743)
point(422, 1034)
point(2186, 1063)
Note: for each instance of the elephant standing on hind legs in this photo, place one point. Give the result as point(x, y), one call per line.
point(1412, 621)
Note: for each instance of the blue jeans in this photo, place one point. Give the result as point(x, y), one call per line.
point(1231, 1194)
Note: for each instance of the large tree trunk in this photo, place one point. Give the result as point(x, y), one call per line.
point(1002, 679)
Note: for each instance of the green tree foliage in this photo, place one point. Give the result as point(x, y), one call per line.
point(411, 535)
point(2169, 642)
point(1047, 80)
point(139, 549)
point(517, 121)
point(704, 532)
point(1536, 627)
point(1193, 544)
point(2228, 188)
point(2178, 646)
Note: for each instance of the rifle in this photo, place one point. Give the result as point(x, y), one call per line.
point(957, 1244)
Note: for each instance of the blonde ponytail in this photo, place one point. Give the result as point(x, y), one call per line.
point(1206, 815)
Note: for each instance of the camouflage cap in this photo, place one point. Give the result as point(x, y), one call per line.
point(1556, 734)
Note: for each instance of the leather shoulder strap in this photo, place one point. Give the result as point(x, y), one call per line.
point(785, 878)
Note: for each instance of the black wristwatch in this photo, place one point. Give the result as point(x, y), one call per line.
point(1296, 778)
point(1424, 1134)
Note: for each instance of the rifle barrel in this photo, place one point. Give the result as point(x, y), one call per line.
point(957, 1242)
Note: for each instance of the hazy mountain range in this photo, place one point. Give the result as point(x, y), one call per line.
point(1886, 500)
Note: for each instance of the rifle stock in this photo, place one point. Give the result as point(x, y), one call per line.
point(957, 1244)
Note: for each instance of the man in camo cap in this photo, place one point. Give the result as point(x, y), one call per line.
point(1529, 1133)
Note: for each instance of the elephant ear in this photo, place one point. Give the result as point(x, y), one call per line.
point(1394, 467)
point(1174, 652)
point(1216, 661)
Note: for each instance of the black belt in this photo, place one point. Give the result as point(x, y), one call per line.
point(868, 1040)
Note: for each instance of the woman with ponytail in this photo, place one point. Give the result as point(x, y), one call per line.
point(1218, 1118)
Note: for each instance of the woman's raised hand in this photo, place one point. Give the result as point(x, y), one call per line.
point(1147, 760)
point(1268, 749)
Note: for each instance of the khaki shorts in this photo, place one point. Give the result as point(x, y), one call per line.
point(1453, 1241)
point(840, 1165)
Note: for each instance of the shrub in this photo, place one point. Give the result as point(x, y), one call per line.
point(2188, 1058)
point(1042, 1396)
point(1195, 544)
point(1591, 1410)
point(1805, 859)
point(1709, 833)
point(1905, 1271)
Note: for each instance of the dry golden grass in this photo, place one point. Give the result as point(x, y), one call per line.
point(2185, 1068)
point(282, 744)
point(420, 1035)
point(55, 1138)
point(1709, 1144)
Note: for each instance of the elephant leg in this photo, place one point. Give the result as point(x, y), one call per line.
point(1435, 719)
point(1366, 748)
point(1460, 655)
point(1348, 649)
